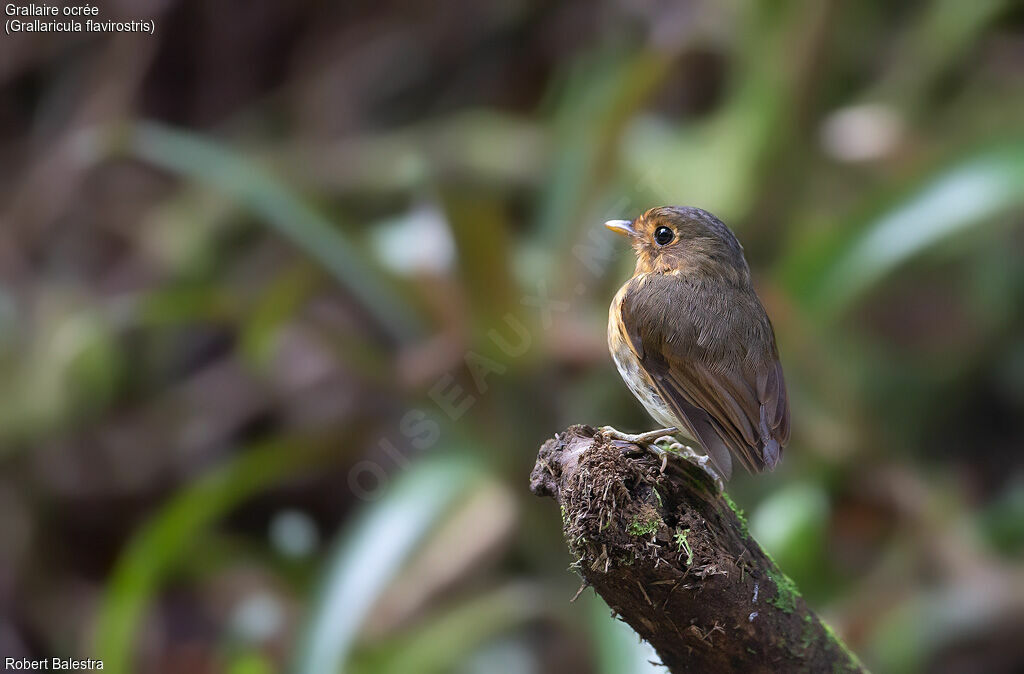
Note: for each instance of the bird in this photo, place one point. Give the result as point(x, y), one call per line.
point(694, 344)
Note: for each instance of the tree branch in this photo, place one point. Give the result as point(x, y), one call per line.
point(673, 558)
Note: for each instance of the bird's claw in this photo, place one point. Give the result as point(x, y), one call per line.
point(641, 439)
point(662, 444)
point(645, 441)
point(702, 460)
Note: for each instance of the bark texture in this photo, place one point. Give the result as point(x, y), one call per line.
point(673, 558)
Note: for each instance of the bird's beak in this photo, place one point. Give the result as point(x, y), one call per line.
point(623, 227)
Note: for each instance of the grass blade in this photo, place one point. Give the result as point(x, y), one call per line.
point(163, 540)
point(210, 163)
point(447, 639)
point(974, 191)
point(369, 554)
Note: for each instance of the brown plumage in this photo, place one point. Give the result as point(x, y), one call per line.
point(693, 342)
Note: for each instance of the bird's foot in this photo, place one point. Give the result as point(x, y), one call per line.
point(641, 439)
point(662, 444)
point(702, 460)
point(645, 441)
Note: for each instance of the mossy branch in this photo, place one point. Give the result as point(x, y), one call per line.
point(673, 558)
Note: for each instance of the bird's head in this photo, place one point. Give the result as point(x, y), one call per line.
point(683, 239)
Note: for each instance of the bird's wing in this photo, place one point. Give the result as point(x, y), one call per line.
point(716, 366)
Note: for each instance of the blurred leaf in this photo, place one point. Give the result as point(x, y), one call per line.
point(791, 525)
point(164, 540)
point(481, 232)
point(210, 163)
point(908, 638)
point(278, 304)
point(835, 269)
point(716, 162)
point(489, 146)
point(181, 233)
point(493, 145)
point(186, 303)
point(470, 534)
point(447, 639)
point(8, 317)
point(600, 95)
point(250, 663)
point(433, 252)
point(73, 369)
point(1002, 521)
point(938, 40)
point(619, 648)
point(370, 552)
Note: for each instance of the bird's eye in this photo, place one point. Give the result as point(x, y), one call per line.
point(663, 235)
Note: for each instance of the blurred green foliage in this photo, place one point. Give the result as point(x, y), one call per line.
point(347, 262)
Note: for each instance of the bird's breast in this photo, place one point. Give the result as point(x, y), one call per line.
point(632, 371)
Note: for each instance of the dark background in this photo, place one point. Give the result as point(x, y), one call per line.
point(253, 413)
